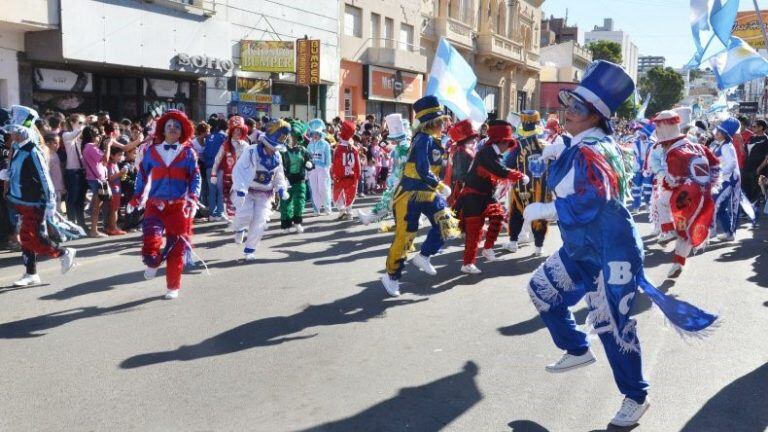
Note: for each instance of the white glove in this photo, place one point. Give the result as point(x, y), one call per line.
point(552, 151)
point(129, 208)
point(4, 175)
point(525, 180)
point(284, 195)
point(443, 190)
point(536, 211)
point(308, 165)
point(214, 180)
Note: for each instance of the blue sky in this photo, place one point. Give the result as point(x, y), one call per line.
point(657, 27)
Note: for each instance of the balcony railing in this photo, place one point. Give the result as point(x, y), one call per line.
point(391, 53)
point(494, 45)
point(455, 31)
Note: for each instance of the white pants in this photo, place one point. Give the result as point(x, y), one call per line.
point(320, 184)
point(251, 214)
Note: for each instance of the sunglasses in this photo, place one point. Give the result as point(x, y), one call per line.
point(577, 107)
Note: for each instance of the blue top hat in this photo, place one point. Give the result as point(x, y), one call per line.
point(428, 108)
point(316, 126)
point(605, 86)
point(729, 127)
point(648, 129)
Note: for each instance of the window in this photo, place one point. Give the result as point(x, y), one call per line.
point(389, 32)
point(406, 37)
point(353, 21)
point(375, 29)
point(347, 102)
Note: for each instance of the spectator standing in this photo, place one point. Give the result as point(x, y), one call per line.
point(95, 160)
point(212, 145)
point(202, 131)
point(115, 175)
point(54, 167)
point(74, 170)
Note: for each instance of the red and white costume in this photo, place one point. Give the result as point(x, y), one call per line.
point(345, 169)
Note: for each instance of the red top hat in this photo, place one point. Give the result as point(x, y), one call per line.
point(347, 131)
point(500, 131)
point(462, 131)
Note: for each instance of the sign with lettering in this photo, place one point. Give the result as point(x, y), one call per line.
point(202, 62)
point(307, 62)
point(252, 90)
point(393, 86)
point(267, 56)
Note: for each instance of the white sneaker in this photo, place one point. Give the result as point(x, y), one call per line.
point(239, 237)
point(675, 271)
point(510, 246)
point(726, 237)
point(293, 229)
point(489, 255)
point(365, 217)
point(569, 362)
point(423, 264)
point(28, 280)
point(299, 228)
point(537, 252)
point(666, 237)
point(391, 285)
point(250, 256)
point(68, 260)
point(629, 413)
point(172, 294)
point(149, 273)
point(285, 231)
point(470, 269)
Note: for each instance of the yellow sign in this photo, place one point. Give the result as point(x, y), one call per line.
point(747, 27)
point(253, 90)
point(267, 56)
point(307, 62)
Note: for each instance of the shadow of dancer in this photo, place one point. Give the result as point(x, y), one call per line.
point(30, 327)
point(426, 408)
point(263, 332)
point(741, 406)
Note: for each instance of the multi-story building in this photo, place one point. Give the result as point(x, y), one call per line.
point(629, 52)
point(133, 56)
point(382, 64)
point(563, 66)
point(646, 63)
point(500, 39)
point(557, 31)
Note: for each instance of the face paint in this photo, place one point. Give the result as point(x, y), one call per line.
point(577, 107)
point(172, 126)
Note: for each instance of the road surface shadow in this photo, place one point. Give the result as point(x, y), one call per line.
point(99, 285)
point(357, 308)
point(427, 408)
point(642, 304)
point(532, 426)
point(741, 406)
point(751, 248)
point(31, 327)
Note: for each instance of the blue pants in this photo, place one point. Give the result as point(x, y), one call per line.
point(642, 188)
point(204, 185)
point(74, 181)
point(215, 194)
point(407, 211)
point(560, 283)
point(727, 215)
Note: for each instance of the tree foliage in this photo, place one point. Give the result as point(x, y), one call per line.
point(628, 109)
point(606, 50)
point(665, 86)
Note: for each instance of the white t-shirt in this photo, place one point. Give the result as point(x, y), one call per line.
point(73, 154)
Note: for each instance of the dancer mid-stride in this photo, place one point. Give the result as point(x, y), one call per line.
point(602, 253)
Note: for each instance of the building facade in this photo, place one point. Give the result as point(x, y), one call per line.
point(629, 53)
point(383, 67)
point(563, 66)
point(646, 63)
point(500, 39)
point(557, 31)
point(141, 56)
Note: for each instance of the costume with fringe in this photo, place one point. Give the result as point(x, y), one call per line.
point(642, 180)
point(728, 197)
point(601, 259)
point(527, 159)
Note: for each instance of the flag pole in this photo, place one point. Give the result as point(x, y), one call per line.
point(762, 24)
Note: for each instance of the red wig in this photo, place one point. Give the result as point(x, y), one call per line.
point(187, 130)
point(237, 122)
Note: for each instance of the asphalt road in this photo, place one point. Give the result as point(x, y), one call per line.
point(304, 339)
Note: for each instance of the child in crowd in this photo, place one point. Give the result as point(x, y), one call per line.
point(369, 172)
point(54, 167)
point(115, 176)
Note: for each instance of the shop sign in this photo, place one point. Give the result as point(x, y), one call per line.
point(202, 62)
point(63, 80)
point(393, 86)
point(252, 90)
point(267, 56)
point(158, 107)
point(747, 27)
point(307, 62)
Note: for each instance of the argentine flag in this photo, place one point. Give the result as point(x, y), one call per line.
point(452, 81)
point(737, 65)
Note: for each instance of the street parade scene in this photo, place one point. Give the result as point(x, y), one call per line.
point(384, 215)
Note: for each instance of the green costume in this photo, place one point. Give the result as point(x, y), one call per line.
point(296, 162)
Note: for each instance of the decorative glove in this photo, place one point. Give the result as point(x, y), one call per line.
point(5, 175)
point(309, 165)
point(525, 180)
point(443, 190)
point(132, 205)
point(190, 206)
point(536, 211)
point(552, 151)
point(284, 195)
point(214, 180)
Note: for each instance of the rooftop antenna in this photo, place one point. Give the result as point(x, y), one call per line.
point(566, 18)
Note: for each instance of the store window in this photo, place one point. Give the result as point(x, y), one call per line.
point(353, 17)
point(389, 32)
point(375, 29)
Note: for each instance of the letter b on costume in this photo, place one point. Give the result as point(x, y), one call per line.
point(620, 272)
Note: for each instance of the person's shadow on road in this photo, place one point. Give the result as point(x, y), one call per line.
point(360, 307)
point(427, 408)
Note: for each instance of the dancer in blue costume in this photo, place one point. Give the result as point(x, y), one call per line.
point(602, 253)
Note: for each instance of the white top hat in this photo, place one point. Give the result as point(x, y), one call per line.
point(667, 125)
point(395, 126)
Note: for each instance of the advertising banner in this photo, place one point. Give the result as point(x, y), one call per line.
point(267, 56)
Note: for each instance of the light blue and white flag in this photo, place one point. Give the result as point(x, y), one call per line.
point(644, 108)
point(700, 20)
point(452, 81)
point(717, 16)
point(738, 64)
